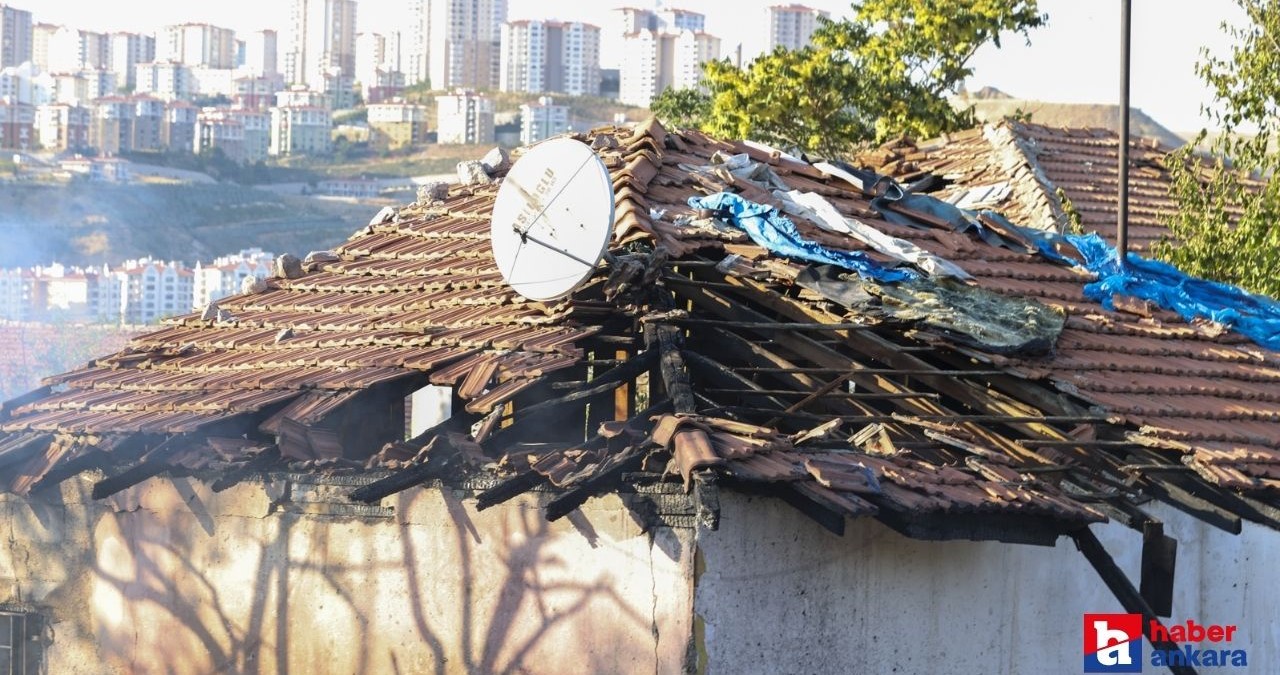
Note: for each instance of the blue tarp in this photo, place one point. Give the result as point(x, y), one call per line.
point(1255, 316)
point(775, 232)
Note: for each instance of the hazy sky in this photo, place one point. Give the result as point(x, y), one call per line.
point(1074, 59)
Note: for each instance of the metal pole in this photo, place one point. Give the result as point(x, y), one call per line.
point(1122, 215)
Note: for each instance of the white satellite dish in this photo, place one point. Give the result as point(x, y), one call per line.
point(552, 219)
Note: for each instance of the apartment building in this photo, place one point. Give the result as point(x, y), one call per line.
point(226, 274)
point(166, 80)
point(151, 289)
point(62, 126)
point(551, 56)
point(127, 51)
point(456, 43)
point(321, 39)
point(197, 44)
point(464, 117)
point(178, 127)
point(17, 126)
point(15, 36)
point(396, 124)
point(792, 26)
point(655, 61)
point(542, 120)
point(300, 130)
point(261, 54)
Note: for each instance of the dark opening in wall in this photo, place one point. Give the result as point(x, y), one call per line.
point(22, 641)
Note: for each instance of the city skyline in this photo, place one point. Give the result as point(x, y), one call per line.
point(1057, 66)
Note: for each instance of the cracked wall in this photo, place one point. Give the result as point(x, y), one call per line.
point(169, 577)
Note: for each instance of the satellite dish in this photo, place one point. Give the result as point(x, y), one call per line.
point(552, 219)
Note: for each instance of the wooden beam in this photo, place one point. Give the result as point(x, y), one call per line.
point(605, 476)
point(1123, 590)
point(674, 374)
point(622, 396)
point(259, 464)
point(1194, 506)
point(153, 463)
point(610, 380)
point(438, 462)
point(768, 325)
point(723, 375)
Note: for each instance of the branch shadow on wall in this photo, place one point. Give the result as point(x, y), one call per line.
point(187, 589)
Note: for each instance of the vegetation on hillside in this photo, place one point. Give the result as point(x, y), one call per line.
point(887, 71)
point(216, 164)
point(1226, 221)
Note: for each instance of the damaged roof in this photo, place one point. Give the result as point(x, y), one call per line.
point(1041, 176)
point(695, 355)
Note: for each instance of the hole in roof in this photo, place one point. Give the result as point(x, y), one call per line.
point(426, 408)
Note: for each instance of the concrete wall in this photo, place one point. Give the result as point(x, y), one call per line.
point(775, 588)
point(287, 578)
point(171, 578)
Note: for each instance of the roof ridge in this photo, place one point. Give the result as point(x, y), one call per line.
point(1011, 146)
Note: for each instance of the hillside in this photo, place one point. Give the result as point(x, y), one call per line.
point(93, 223)
point(991, 107)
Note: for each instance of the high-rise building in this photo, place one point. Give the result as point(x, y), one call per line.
point(165, 80)
point(15, 36)
point(792, 26)
point(551, 56)
point(690, 50)
point(464, 117)
point(321, 41)
point(542, 120)
point(41, 34)
point(69, 49)
point(127, 51)
point(457, 43)
point(672, 20)
point(197, 44)
point(378, 66)
point(654, 61)
point(21, 84)
point(261, 53)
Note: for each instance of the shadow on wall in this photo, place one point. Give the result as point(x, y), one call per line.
point(438, 588)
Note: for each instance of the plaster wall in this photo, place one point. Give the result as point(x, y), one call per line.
point(169, 577)
point(770, 582)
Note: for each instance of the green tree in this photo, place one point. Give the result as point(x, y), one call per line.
point(681, 108)
point(1224, 227)
point(885, 72)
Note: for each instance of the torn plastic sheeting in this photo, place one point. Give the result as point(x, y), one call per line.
point(818, 209)
point(967, 315)
point(1255, 316)
point(775, 232)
